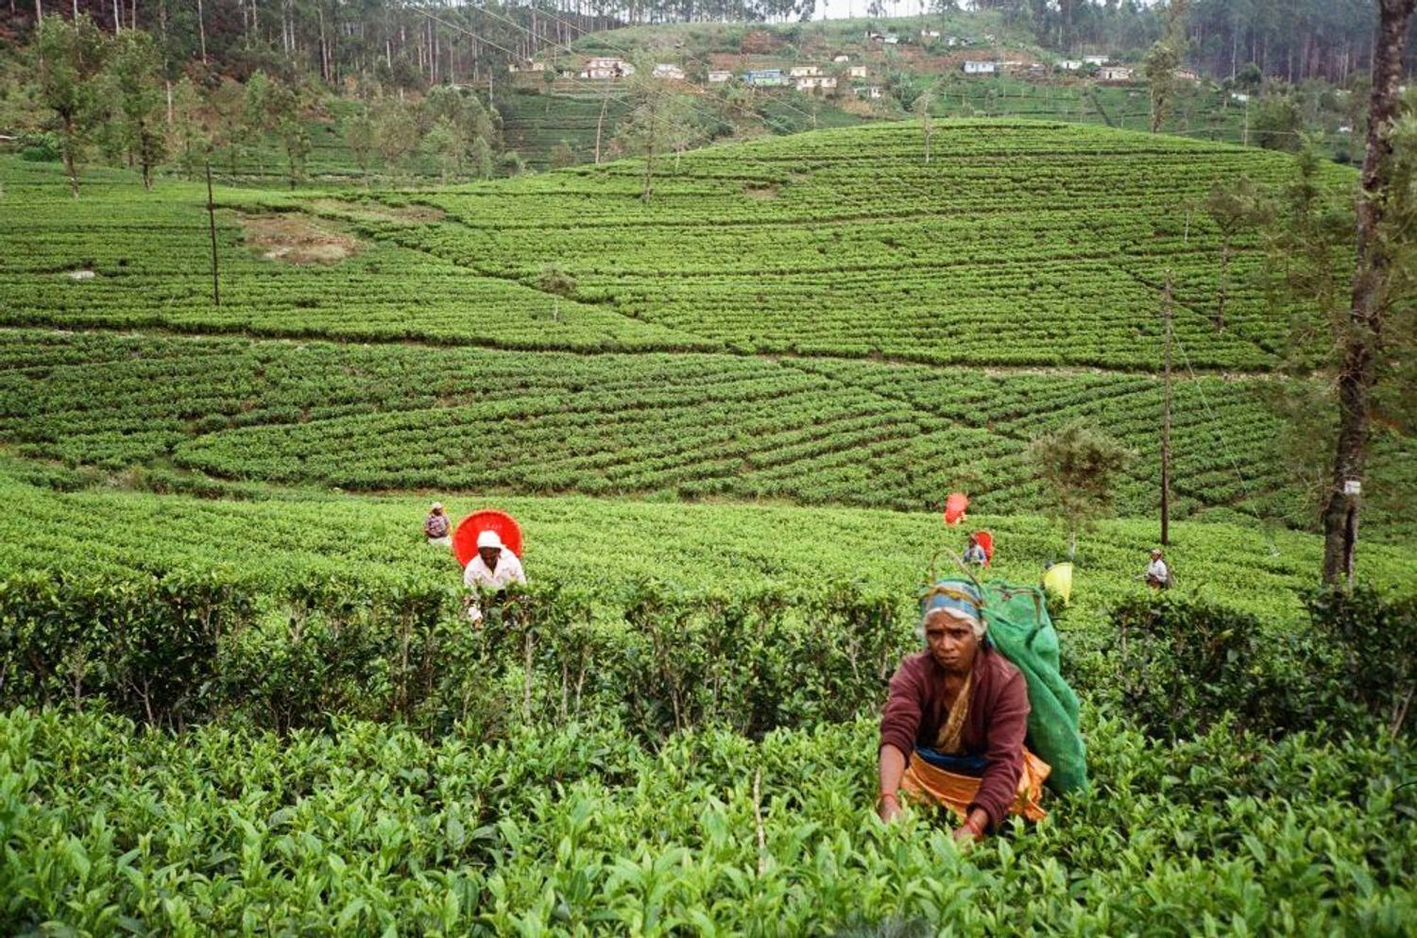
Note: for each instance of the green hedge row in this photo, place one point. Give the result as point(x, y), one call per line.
point(188, 647)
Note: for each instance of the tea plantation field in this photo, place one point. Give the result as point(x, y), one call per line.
point(239, 695)
point(837, 269)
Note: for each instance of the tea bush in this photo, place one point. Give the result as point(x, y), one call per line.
point(1372, 648)
point(1184, 666)
point(181, 647)
point(576, 830)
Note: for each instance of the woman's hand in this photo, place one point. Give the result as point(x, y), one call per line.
point(972, 829)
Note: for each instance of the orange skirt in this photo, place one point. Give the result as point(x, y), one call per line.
point(926, 784)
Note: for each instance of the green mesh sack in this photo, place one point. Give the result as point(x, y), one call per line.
point(1020, 628)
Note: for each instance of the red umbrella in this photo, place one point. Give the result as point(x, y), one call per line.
point(955, 506)
point(986, 541)
point(465, 537)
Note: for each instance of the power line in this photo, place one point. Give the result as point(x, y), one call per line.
point(633, 109)
point(654, 117)
point(665, 93)
point(626, 52)
point(1205, 402)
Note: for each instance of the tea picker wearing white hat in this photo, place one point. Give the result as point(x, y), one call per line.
point(493, 569)
point(494, 566)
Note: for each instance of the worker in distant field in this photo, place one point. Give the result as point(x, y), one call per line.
point(1158, 576)
point(494, 568)
point(953, 727)
point(437, 528)
point(974, 553)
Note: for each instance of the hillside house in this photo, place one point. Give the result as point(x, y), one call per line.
point(857, 71)
point(1186, 74)
point(765, 77)
point(668, 71)
point(868, 91)
point(1114, 73)
point(603, 67)
point(718, 77)
point(1070, 65)
point(972, 67)
point(1098, 60)
point(1240, 97)
point(805, 71)
point(811, 82)
point(841, 58)
point(929, 34)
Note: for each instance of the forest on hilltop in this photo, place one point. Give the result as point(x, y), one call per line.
point(411, 45)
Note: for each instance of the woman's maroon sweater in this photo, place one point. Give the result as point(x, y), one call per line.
point(995, 728)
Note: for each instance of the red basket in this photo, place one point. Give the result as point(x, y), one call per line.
point(986, 541)
point(954, 507)
point(465, 537)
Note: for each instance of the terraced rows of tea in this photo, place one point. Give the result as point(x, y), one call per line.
point(800, 319)
point(1017, 243)
point(379, 417)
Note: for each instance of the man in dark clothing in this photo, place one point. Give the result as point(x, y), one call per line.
point(953, 728)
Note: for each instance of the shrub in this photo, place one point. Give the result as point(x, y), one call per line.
point(39, 148)
point(1375, 643)
point(1186, 665)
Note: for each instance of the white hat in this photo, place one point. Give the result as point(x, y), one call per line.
point(488, 539)
point(437, 506)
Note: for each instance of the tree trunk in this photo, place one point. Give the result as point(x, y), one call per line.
point(1220, 292)
point(202, 30)
point(1365, 319)
point(324, 63)
point(70, 165)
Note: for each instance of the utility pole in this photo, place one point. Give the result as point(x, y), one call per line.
point(211, 227)
point(1166, 416)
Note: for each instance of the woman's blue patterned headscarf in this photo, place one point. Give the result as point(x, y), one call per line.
point(958, 598)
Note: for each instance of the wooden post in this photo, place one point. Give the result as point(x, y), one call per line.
point(1166, 416)
point(211, 226)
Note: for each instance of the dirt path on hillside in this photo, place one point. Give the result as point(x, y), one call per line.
point(296, 239)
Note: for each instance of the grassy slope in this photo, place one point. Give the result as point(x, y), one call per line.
point(841, 244)
point(614, 542)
